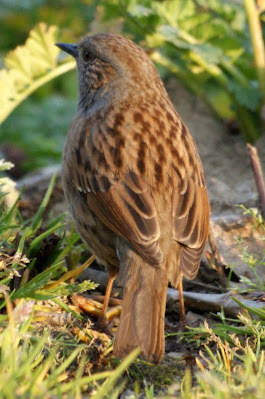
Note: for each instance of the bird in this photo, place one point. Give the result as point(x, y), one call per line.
point(134, 184)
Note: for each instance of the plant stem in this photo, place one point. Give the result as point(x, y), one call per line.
point(257, 41)
point(257, 170)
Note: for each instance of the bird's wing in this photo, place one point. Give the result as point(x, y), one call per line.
point(190, 213)
point(127, 208)
point(117, 195)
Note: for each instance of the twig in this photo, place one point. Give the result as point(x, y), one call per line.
point(214, 302)
point(258, 174)
point(202, 302)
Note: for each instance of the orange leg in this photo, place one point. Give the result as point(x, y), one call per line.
point(182, 317)
point(107, 295)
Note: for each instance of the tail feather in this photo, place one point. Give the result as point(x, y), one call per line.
point(143, 312)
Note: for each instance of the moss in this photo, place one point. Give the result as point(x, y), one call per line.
point(159, 375)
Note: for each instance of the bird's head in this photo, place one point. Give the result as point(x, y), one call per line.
point(109, 63)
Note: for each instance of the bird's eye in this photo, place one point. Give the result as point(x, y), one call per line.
point(87, 56)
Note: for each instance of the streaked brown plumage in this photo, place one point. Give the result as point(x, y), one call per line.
point(135, 184)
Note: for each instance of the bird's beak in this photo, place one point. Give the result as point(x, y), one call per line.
point(68, 48)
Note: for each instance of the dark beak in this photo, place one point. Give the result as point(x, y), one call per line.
point(68, 48)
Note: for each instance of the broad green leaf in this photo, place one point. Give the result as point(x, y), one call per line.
point(174, 36)
point(231, 47)
point(141, 11)
point(7, 91)
point(210, 54)
point(30, 66)
point(196, 20)
point(174, 11)
point(36, 56)
point(42, 49)
point(249, 97)
point(18, 64)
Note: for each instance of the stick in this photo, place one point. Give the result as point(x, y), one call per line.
point(214, 302)
point(258, 174)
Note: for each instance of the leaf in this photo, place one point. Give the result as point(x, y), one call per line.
point(29, 290)
point(42, 49)
point(173, 35)
point(174, 10)
point(210, 54)
point(141, 11)
point(30, 66)
point(18, 64)
point(195, 21)
point(249, 97)
point(230, 46)
point(34, 58)
point(247, 281)
point(7, 91)
point(216, 28)
point(69, 289)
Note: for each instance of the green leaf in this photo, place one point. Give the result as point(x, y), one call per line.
point(37, 218)
point(29, 290)
point(141, 11)
point(174, 11)
point(30, 66)
point(173, 35)
point(195, 21)
point(40, 45)
point(68, 289)
point(249, 97)
point(34, 58)
point(210, 54)
point(36, 243)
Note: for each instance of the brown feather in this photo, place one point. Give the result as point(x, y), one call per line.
point(135, 185)
point(138, 226)
point(143, 308)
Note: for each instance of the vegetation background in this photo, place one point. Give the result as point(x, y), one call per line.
point(217, 63)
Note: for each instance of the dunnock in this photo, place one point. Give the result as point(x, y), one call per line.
point(135, 185)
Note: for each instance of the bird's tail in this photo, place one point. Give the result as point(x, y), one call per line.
point(143, 310)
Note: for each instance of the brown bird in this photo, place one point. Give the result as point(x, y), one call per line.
point(135, 185)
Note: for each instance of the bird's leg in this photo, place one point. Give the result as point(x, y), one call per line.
point(107, 295)
point(102, 323)
point(182, 317)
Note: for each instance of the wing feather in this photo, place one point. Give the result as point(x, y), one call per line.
point(190, 224)
point(128, 209)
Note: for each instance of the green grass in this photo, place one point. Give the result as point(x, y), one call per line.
point(36, 359)
point(35, 365)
